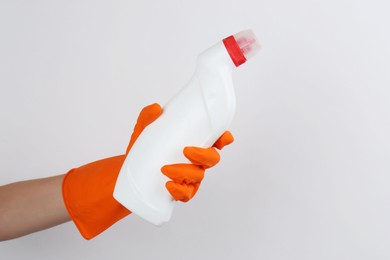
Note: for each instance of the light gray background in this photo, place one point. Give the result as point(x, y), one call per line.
point(308, 175)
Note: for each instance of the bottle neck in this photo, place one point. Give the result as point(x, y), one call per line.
point(216, 58)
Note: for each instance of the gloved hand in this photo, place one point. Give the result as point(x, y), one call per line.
point(187, 176)
point(88, 190)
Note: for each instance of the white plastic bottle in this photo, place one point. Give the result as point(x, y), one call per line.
point(196, 116)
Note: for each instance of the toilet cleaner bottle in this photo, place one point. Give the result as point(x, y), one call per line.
point(196, 116)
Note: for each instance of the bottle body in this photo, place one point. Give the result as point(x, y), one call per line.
point(196, 116)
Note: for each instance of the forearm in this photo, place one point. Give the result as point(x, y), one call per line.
point(30, 206)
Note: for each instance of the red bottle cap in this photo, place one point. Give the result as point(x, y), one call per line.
point(241, 46)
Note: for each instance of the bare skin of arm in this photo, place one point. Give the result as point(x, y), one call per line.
point(30, 206)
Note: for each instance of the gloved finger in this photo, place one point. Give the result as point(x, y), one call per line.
point(182, 192)
point(225, 139)
point(147, 115)
point(206, 157)
point(184, 173)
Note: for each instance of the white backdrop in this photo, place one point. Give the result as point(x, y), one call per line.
point(308, 175)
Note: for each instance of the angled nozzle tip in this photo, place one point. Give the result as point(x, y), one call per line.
point(248, 43)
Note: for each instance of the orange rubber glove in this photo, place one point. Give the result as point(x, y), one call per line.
point(88, 190)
